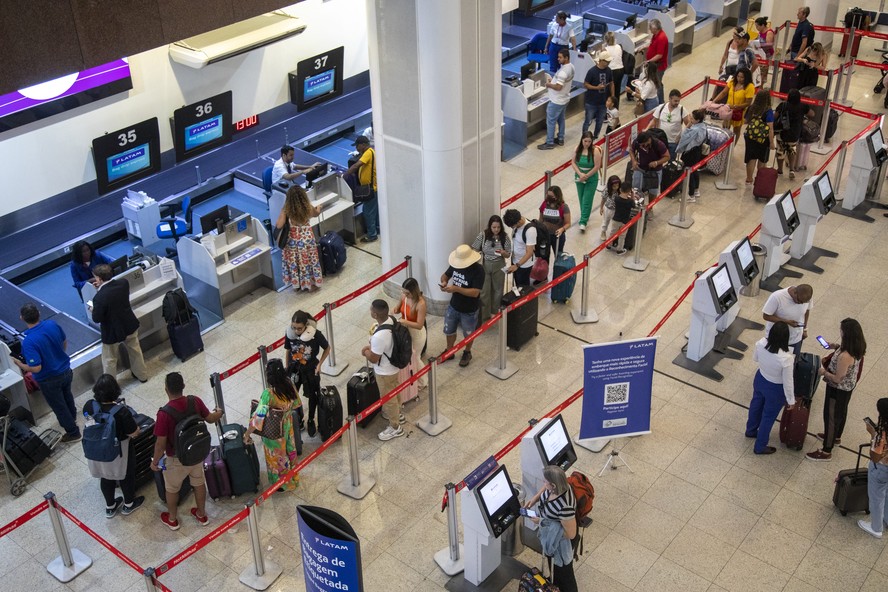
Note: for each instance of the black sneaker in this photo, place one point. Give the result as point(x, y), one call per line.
point(367, 239)
point(126, 510)
point(545, 146)
point(310, 428)
point(133, 374)
point(559, 142)
point(70, 438)
point(112, 512)
point(466, 358)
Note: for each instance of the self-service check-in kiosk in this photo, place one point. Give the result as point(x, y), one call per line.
point(867, 170)
point(779, 221)
point(742, 268)
point(547, 443)
point(713, 296)
point(816, 200)
point(489, 507)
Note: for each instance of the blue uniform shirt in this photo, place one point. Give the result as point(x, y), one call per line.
point(43, 345)
point(82, 274)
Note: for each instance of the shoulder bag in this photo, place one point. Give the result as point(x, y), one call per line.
point(282, 235)
point(273, 424)
point(362, 193)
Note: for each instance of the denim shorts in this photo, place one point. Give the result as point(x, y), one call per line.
point(468, 321)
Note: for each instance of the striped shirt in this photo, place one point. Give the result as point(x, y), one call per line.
point(488, 248)
point(562, 507)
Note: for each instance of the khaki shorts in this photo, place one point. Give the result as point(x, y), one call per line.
point(176, 472)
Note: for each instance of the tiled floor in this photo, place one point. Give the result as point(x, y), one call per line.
point(700, 512)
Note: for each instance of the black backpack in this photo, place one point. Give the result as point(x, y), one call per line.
point(176, 308)
point(191, 438)
point(402, 344)
point(544, 242)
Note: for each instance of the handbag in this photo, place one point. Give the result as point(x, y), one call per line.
point(540, 270)
point(362, 193)
point(273, 425)
point(282, 235)
point(639, 108)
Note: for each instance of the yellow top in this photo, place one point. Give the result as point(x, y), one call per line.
point(367, 171)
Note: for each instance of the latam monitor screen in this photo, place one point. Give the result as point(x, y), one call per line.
point(128, 162)
point(319, 85)
point(202, 126)
point(317, 79)
point(127, 155)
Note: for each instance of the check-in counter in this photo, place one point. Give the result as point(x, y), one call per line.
point(524, 109)
point(149, 283)
point(220, 268)
point(332, 195)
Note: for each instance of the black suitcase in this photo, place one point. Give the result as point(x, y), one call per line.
point(521, 323)
point(185, 338)
point(143, 449)
point(851, 493)
point(329, 412)
point(362, 391)
point(161, 489)
point(332, 251)
point(672, 170)
point(242, 461)
point(20, 437)
point(789, 77)
point(804, 375)
point(832, 124)
point(816, 93)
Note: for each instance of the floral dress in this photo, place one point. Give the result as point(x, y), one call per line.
point(301, 263)
point(280, 455)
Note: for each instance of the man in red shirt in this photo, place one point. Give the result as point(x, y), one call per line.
point(174, 471)
point(658, 52)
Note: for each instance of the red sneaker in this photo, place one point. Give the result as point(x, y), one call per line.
point(171, 524)
point(202, 520)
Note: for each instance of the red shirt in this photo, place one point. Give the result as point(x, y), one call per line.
point(165, 425)
point(659, 46)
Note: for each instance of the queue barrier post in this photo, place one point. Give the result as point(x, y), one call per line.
point(585, 315)
point(71, 562)
point(705, 88)
point(263, 361)
point(197, 172)
point(286, 136)
point(409, 260)
point(262, 573)
point(725, 184)
point(450, 559)
point(216, 385)
point(352, 486)
point(850, 65)
point(637, 263)
point(824, 119)
point(682, 220)
point(502, 368)
point(786, 29)
point(258, 151)
point(148, 575)
point(775, 74)
point(434, 423)
point(840, 168)
point(547, 183)
point(330, 368)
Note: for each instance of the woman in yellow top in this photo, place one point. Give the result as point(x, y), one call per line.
point(738, 93)
point(412, 309)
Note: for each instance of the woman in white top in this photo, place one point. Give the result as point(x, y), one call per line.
point(647, 86)
point(772, 388)
point(616, 64)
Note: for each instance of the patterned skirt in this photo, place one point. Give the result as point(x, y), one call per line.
point(301, 262)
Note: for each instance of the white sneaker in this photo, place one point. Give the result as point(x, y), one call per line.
point(696, 193)
point(692, 199)
point(603, 235)
point(390, 433)
point(867, 527)
point(582, 228)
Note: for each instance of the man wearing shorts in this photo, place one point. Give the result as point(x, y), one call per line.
point(464, 280)
point(175, 472)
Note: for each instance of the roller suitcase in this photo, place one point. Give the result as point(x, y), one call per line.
point(789, 77)
point(794, 425)
point(832, 124)
point(143, 448)
point(216, 475)
point(671, 172)
point(329, 412)
point(521, 323)
point(802, 155)
point(534, 581)
point(241, 459)
point(717, 137)
point(184, 490)
point(362, 391)
point(805, 377)
point(850, 494)
point(564, 262)
point(332, 251)
point(765, 185)
point(185, 338)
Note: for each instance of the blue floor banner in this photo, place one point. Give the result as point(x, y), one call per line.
point(331, 551)
point(617, 382)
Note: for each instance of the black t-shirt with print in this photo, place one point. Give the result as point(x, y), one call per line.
point(470, 277)
point(304, 355)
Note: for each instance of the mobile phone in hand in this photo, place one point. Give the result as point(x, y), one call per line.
point(528, 513)
point(823, 342)
point(870, 423)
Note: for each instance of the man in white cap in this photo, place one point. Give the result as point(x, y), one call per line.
point(464, 279)
point(599, 85)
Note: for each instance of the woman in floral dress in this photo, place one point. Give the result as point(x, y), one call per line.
point(280, 455)
point(301, 262)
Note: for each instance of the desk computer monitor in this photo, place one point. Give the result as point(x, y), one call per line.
point(240, 226)
point(119, 265)
point(528, 69)
point(745, 262)
point(554, 444)
point(316, 173)
point(721, 288)
point(215, 220)
point(497, 501)
point(826, 198)
point(786, 211)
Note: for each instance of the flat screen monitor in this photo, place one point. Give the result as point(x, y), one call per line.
point(127, 155)
point(786, 211)
point(316, 173)
point(217, 219)
point(824, 192)
point(202, 126)
point(239, 227)
point(62, 94)
point(554, 445)
point(119, 265)
point(744, 260)
point(528, 69)
point(722, 289)
point(497, 501)
point(317, 79)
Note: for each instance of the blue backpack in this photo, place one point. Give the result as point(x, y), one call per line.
point(100, 441)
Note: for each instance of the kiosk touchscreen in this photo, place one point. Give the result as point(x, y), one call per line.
point(554, 445)
point(825, 195)
point(217, 219)
point(745, 263)
point(787, 212)
point(713, 296)
point(722, 290)
point(497, 501)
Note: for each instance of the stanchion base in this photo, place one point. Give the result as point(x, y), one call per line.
point(861, 212)
point(356, 491)
point(249, 578)
point(640, 266)
point(508, 570)
point(433, 429)
point(706, 366)
point(677, 221)
point(593, 444)
point(730, 337)
point(328, 370)
point(448, 565)
point(581, 319)
point(725, 186)
point(63, 573)
point(502, 373)
point(772, 282)
point(806, 262)
point(827, 149)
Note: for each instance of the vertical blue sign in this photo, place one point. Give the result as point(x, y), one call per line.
point(617, 383)
point(331, 552)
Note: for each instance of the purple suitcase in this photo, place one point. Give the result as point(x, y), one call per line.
point(216, 474)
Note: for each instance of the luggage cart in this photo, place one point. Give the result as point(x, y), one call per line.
point(18, 480)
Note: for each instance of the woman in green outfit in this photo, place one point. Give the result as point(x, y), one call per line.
point(586, 164)
point(280, 454)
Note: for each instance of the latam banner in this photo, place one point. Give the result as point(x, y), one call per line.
point(617, 383)
point(619, 140)
point(331, 551)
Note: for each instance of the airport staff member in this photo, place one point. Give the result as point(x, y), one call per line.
point(285, 171)
point(559, 37)
point(84, 259)
point(111, 308)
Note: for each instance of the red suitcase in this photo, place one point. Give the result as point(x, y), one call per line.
point(765, 185)
point(794, 425)
point(216, 475)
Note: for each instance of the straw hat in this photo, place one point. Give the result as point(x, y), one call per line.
point(463, 256)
